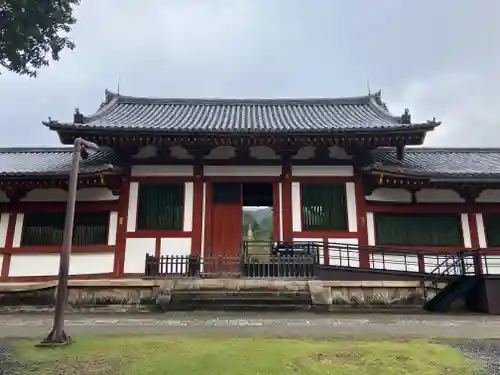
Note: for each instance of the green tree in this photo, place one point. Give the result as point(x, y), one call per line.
point(34, 31)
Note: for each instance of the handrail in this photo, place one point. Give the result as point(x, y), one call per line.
point(458, 257)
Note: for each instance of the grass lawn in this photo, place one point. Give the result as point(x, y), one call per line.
point(161, 355)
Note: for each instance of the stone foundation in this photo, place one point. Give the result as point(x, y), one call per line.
point(222, 294)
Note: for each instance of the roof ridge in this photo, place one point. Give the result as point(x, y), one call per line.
point(364, 99)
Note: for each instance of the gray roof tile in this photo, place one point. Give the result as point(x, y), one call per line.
point(364, 113)
point(443, 163)
point(50, 161)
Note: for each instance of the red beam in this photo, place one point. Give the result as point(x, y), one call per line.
point(58, 207)
point(57, 249)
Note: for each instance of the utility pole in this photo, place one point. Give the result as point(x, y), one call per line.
point(57, 335)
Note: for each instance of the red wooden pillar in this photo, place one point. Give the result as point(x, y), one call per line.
point(197, 210)
point(474, 237)
point(8, 246)
point(286, 199)
point(364, 256)
point(121, 229)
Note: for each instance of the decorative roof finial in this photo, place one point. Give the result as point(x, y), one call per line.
point(77, 117)
point(406, 117)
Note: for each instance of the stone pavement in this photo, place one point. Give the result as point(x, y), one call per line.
point(286, 324)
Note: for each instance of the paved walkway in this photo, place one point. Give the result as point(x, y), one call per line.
point(272, 324)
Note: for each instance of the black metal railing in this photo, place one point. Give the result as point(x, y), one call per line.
point(282, 266)
point(299, 259)
point(457, 264)
point(274, 266)
point(256, 250)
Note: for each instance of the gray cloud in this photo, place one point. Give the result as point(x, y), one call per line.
point(438, 58)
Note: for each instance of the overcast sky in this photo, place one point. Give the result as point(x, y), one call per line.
point(439, 58)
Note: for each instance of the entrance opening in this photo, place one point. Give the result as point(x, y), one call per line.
point(241, 212)
point(258, 217)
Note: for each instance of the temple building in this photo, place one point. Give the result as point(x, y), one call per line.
point(199, 176)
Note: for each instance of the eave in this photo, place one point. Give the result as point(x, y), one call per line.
point(17, 187)
point(415, 182)
point(385, 138)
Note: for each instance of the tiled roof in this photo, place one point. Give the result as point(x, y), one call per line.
point(443, 163)
point(50, 161)
point(360, 114)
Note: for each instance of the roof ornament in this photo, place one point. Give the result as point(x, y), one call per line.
point(77, 117)
point(406, 117)
point(377, 96)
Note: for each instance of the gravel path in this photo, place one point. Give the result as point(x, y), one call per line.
point(7, 365)
point(487, 352)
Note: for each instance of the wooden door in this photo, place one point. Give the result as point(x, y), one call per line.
point(226, 221)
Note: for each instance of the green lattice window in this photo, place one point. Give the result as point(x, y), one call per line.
point(492, 229)
point(47, 229)
point(160, 207)
point(418, 230)
point(324, 207)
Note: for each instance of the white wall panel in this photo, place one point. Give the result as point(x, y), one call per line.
point(135, 253)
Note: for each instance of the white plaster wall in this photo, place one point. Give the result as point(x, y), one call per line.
point(161, 170)
point(176, 247)
point(370, 227)
point(316, 240)
point(3, 197)
point(438, 196)
point(396, 262)
point(18, 230)
point(48, 264)
point(296, 208)
point(242, 170)
point(188, 206)
point(341, 254)
point(59, 195)
point(466, 230)
point(135, 253)
point(352, 215)
point(133, 198)
point(481, 232)
point(112, 227)
point(489, 196)
point(390, 195)
point(322, 171)
point(4, 225)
